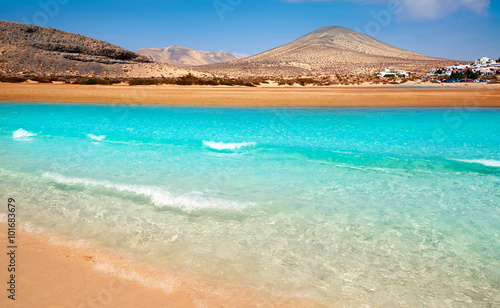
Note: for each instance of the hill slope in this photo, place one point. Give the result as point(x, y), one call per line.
point(329, 50)
point(185, 56)
point(30, 50)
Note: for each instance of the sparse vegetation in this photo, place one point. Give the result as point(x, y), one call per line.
point(471, 75)
point(457, 75)
point(190, 79)
point(12, 79)
point(94, 81)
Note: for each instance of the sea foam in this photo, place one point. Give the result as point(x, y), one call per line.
point(221, 146)
point(484, 162)
point(191, 201)
point(21, 133)
point(96, 138)
point(28, 227)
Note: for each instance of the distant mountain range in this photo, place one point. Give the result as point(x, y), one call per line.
point(185, 56)
point(29, 50)
point(329, 50)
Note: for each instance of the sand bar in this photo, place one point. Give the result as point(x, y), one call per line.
point(428, 96)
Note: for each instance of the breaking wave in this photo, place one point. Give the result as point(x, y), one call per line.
point(484, 162)
point(191, 201)
point(221, 146)
point(21, 133)
point(96, 138)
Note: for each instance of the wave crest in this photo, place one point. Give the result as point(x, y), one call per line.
point(96, 138)
point(159, 197)
point(221, 146)
point(484, 162)
point(21, 133)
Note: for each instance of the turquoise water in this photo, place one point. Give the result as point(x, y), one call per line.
point(349, 207)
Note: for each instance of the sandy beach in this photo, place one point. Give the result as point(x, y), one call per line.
point(57, 271)
point(57, 276)
point(370, 96)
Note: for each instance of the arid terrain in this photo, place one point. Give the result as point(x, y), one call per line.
point(329, 50)
point(29, 50)
point(330, 55)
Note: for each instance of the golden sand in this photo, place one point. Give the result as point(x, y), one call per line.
point(432, 96)
point(56, 271)
point(56, 276)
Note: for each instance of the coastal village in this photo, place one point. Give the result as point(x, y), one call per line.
point(474, 72)
point(479, 71)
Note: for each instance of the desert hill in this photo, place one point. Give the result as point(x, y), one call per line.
point(329, 50)
point(30, 50)
point(185, 56)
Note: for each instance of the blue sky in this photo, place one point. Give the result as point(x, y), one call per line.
point(453, 29)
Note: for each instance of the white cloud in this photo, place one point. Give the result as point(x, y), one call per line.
point(416, 10)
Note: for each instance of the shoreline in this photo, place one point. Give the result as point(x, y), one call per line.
point(53, 270)
point(56, 276)
point(204, 96)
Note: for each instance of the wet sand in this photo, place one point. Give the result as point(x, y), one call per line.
point(57, 276)
point(57, 271)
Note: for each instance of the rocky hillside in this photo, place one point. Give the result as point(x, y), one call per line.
point(29, 50)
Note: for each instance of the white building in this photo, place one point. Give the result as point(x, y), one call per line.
point(483, 66)
point(458, 67)
point(442, 71)
point(484, 61)
point(393, 73)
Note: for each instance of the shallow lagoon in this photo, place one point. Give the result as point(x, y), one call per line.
point(354, 206)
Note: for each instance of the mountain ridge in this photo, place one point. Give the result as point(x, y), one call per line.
point(55, 40)
point(185, 56)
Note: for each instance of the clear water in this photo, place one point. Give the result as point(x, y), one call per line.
point(349, 207)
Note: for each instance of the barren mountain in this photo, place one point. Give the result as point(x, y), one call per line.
point(329, 50)
point(185, 56)
point(29, 50)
